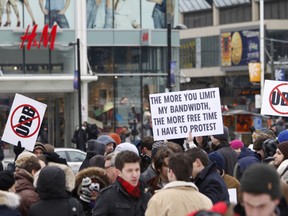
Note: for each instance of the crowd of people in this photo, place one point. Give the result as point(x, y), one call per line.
point(195, 176)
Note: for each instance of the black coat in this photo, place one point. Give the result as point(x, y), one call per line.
point(115, 201)
point(54, 199)
point(211, 184)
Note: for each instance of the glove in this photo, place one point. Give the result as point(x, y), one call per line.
point(18, 149)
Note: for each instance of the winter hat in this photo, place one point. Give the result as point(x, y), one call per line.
point(282, 170)
point(87, 187)
point(269, 147)
point(261, 179)
point(39, 145)
point(115, 137)
point(283, 147)
point(106, 139)
point(126, 147)
point(156, 145)
point(236, 144)
point(283, 136)
point(224, 136)
point(6, 180)
point(23, 157)
point(218, 159)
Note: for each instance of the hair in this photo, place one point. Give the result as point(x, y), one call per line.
point(199, 153)
point(181, 166)
point(161, 154)
point(32, 163)
point(126, 157)
point(176, 148)
point(111, 156)
point(147, 142)
point(257, 145)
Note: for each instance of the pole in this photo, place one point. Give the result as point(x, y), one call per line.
point(262, 47)
point(272, 59)
point(169, 56)
point(79, 84)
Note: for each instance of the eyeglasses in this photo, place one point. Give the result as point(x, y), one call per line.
point(107, 167)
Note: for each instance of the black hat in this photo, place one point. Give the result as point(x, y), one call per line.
point(6, 180)
point(224, 136)
point(261, 179)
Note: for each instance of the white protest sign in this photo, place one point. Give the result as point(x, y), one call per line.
point(24, 122)
point(275, 98)
point(175, 114)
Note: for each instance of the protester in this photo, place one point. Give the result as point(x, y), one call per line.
point(109, 142)
point(127, 196)
point(97, 161)
point(179, 196)
point(87, 192)
point(9, 201)
point(237, 145)
point(281, 153)
point(206, 176)
point(261, 193)
point(110, 168)
point(220, 143)
point(94, 147)
point(27, 165)
point(39, 149)
point(161, 167)
point(146, 152)
point(54, 198)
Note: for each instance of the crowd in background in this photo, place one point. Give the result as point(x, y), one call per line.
point(193, 176)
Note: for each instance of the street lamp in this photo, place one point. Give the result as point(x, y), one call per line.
point(169, 54)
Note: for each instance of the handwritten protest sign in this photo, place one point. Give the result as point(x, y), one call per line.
point(175, 114)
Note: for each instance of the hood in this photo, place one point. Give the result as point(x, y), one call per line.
point(51, 183)
point(95, 173)
point(95, 147)
point(9, 199)
point(24, 180)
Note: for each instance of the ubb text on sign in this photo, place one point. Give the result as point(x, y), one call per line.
point(176, 114)
point(24, 122)
point(275, 98)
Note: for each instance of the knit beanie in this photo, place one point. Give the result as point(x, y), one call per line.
point(218, 159)
point(156, 145)
point(39, 145)
point(23, 157)
point(236, 144)
point(126, 147)
point(224, 136)
point(6, 180)
point(261, 179)
point(283, 147)
point(115, 137)
point(283, 136)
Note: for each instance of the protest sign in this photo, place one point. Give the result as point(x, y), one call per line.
point(24, 122)
point(175, 114)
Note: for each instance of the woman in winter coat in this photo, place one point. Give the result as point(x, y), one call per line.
point(54, 198)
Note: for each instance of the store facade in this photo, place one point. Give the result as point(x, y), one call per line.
point(123, 59)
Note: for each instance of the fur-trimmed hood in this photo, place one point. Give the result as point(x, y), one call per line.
point(9, 199)
point(94, 173)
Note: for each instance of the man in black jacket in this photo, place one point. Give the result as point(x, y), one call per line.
point(127, 195)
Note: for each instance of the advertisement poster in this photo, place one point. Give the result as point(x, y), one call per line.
point(239, 48)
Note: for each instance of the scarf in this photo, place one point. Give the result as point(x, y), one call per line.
point(130, 189)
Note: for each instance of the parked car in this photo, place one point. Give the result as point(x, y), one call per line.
point(74, 157)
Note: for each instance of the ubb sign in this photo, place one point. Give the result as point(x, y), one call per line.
point(275, 98)
point(24, 122)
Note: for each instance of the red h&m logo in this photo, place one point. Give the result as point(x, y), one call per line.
point(31, 38)
point(145, 37)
